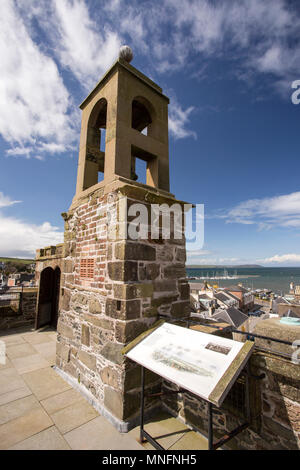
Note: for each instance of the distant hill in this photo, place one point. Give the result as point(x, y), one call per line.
point(222, 266)
point(16, 260)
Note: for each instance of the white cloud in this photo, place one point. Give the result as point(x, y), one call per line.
point(289, 258)
point(80, 45)
point(112, 5)
point(204, 21)
point(229, 260)
point(19, 238)
point(196, 253)
point(200, 257)
point(280, 211)
point(260, 34)
point(202, 261)
point(5, 201)
point(38, 115)
point(34, 101)
point(208, 257)
point(20, 151)
point(204, 257)
point(179, 120)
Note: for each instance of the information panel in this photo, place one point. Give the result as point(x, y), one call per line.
point(205, 364)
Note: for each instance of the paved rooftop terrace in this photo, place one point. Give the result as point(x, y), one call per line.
point(39, 410)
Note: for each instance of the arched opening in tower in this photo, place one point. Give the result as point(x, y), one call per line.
point(141, 117)
point(96, 140)
point(141, 121)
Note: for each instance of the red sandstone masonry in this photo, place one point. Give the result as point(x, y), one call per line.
point(101, 345)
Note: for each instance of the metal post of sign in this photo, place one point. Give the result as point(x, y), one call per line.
point(143, 434)
point(210, 427)
point(142, 403)
point(213, 398)
point(247, 392)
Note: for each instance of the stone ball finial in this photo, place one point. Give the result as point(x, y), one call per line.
point(126, 53)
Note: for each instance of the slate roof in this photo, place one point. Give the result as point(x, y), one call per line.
point(204, 297)
point(230, 315)
point(232, 295)
point(196, 285)
point(222, 297)
point(280, 300)
point(237, 289)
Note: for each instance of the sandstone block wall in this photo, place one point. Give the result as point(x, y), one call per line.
point(132, 281)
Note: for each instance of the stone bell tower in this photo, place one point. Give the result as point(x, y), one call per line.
point(114, 287)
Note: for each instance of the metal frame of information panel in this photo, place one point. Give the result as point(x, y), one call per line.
point(144, 435)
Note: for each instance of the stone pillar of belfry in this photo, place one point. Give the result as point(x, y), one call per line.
point(113, 287)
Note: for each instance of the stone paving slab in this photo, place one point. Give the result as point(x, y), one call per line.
point(36, 338)
point(39, 410)
point(18, 408)
point(73, 416)
point(99, 434)
point(51, 359)
point(45, 383)
point(23, 427)
point(13, 395)
point(52, 335)
point(7, 364)
point(50, 439)
point(164, 428)
point(52, 338)
point(61, 401)
point(191, 441)
point(30, 363)
point(10, 380)
point(12, 339)
point(19, 350)
point(45, 349)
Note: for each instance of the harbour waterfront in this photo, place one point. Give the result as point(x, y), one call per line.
point(275, 279)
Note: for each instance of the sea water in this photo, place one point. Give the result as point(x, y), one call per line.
point(275, 279)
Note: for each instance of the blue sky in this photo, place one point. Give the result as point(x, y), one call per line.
point(228, 68)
